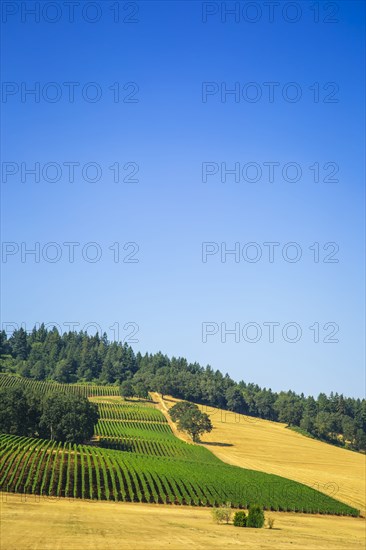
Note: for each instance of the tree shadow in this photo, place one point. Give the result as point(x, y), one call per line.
point(217, 444)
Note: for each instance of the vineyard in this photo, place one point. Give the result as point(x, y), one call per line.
point(48, 468)
point(134, 456)
point(143, 430)
point(130, 411)
point(86, 390)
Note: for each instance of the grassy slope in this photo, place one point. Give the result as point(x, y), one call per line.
point(270, 447)
point(51, 524)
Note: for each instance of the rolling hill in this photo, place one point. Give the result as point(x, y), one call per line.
point(136, 461)
point(136, 457)
point(271, 447)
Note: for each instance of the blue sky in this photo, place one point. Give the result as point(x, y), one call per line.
point(168, 133)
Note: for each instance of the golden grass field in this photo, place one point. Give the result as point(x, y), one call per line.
point(67, 524)
point(271, 447)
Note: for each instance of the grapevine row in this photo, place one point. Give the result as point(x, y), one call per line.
point(89, 472)
point(130, 412)
point(86, 390)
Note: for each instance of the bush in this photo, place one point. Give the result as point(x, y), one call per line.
point(270, 522)
point(255, 516)
point(223, 513)
point(240, 519)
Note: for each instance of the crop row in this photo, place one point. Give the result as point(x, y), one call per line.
point(152, 447)
point(130, 412)
point(130, 427)
point(86, 390)
point(48, 468)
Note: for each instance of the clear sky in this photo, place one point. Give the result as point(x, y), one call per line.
point(146, 90)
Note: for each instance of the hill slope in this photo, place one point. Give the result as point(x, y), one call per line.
point(135, 456)
point(271, 447)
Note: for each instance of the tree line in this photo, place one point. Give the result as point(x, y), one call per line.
point(56, 415)
point(78, 357)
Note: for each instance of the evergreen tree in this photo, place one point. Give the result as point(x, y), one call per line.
point(19, 344)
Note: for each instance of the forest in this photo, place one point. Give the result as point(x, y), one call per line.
point(74, 357)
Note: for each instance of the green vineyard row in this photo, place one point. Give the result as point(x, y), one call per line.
point(152, 448)
point(131, 428)
point(130, 412)
point(48, 468)
point(86, 390)
point(144, 436)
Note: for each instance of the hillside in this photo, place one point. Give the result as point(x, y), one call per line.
point(135, 456)
point(271, 447)
point(78, 359)
point(117, 486)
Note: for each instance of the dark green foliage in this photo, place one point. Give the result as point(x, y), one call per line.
point(141, 390)
point(77, 357)
point(57, 415)
point(14, 407)
point(163, 382)
point(191, 419)
point(19, 344)
point(255, 516)
point(68, 418)
point(289, 408)
point(235, 401)
point(240, 519)
point(67, 358)
point(127, 389)
point(180, 408)
point(195, 423)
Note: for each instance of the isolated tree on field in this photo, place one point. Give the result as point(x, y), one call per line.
point(190, 419)
point(180, 408)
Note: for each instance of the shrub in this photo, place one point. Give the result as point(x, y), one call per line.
point(223, 513)
point(240, 519)
point(270, 522)
point(255, 516)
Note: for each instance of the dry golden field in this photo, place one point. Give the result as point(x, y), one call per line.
point(83, 525)
point(271, 447)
